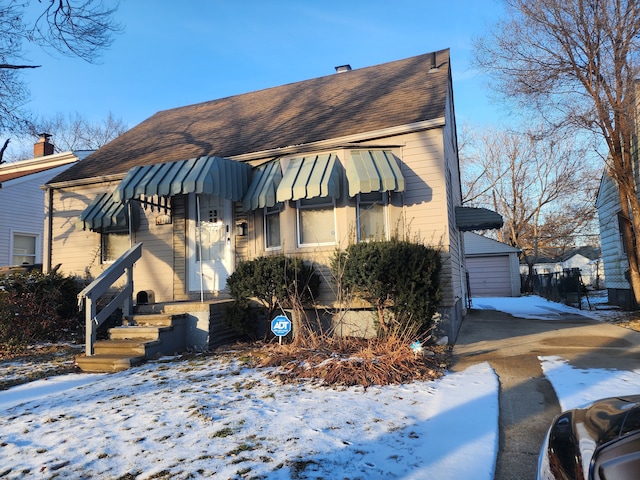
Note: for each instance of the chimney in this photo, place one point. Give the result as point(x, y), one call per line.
point(434, 66)
point(43, 147)
point(343, 68)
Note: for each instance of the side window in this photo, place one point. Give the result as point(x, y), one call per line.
point(24, 249)
point(316, 222)
point(621, 223)
point(371, 214)
point(272, 226)
point(113, 244)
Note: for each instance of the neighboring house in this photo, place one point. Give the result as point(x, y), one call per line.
point(300, 169)
point(587, 259)
point(492, 266)
point(614, 257)
point(22, 202)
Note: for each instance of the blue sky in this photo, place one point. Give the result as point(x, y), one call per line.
point(172, 53)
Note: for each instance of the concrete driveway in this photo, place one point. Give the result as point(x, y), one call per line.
point(528, 402)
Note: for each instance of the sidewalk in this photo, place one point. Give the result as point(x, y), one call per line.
point(528, 402)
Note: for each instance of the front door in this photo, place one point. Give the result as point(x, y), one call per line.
point(209, 243)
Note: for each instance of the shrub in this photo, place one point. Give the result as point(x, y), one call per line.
point(276, 282)
point(37, 307)
point(399, 278)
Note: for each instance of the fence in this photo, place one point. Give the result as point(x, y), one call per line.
point(562, 287)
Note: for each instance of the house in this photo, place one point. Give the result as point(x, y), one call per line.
point(492, 267)
point(615, 261)
point(299, 169)
point(587, 259)
point(22, 202)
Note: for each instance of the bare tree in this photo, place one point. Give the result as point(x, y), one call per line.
point(75, 132)
point(577, 62)
point(81, 28)
point(538, 183)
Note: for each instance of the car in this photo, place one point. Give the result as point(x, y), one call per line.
point(598, 441)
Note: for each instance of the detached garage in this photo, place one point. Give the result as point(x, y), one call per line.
point(493, 267)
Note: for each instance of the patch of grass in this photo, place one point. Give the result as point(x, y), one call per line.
point(223, 433)
point(299, 466)
point(244, 447)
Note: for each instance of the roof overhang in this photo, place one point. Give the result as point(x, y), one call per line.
point(341, 142)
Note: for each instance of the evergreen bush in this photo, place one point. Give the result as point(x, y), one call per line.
point(400, 279)
point(275, 281)
point(36, 307)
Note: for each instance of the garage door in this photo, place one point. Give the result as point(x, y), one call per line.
point(489, 276)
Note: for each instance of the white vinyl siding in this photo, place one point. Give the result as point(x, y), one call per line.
point(79, 251)
point(613, 257)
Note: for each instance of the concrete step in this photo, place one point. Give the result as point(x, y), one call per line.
point(128, 347)
point(140, 338)
point(107, 363)
point(155, 319)
point(138, 332)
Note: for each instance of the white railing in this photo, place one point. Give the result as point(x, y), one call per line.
point(88, 298)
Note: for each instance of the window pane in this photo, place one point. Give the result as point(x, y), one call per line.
point(372, 221)
point(272, 228)
point(24, 249)
point(317, 225)
point(114, 245)
point(372, 224)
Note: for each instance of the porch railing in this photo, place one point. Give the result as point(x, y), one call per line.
point(88, 298)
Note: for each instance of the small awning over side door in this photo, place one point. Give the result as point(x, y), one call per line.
point(469, 219)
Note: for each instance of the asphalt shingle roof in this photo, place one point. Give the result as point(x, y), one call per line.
point(361, 100)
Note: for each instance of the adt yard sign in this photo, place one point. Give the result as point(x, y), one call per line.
point(280, 326)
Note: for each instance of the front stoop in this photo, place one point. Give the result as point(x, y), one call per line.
point(140, 338)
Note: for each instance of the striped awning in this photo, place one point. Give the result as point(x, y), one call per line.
point(468, 219)
point(310, 177)
point(373, 171)
point(211, 175)
point(262, 189)
point(104, 213)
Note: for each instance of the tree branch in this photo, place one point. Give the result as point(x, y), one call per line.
point(8, 66)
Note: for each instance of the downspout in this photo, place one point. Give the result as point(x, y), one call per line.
point(48, 247)
point(130, 223)
point(199, 244)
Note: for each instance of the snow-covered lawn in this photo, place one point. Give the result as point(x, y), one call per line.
point(211, 417)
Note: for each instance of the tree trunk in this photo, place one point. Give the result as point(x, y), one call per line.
point(630, 210)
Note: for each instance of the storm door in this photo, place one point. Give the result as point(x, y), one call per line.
point(209, 243)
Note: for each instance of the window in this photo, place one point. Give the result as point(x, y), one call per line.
point(113, 245)
point(622, 222)
point(272, 226)
point(24, 249)
point(372, 216)
point(316, 222)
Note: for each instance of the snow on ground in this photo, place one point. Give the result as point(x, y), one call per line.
point(533, 307)
point(576, 387)
point(209, 417)
point(213, 417)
